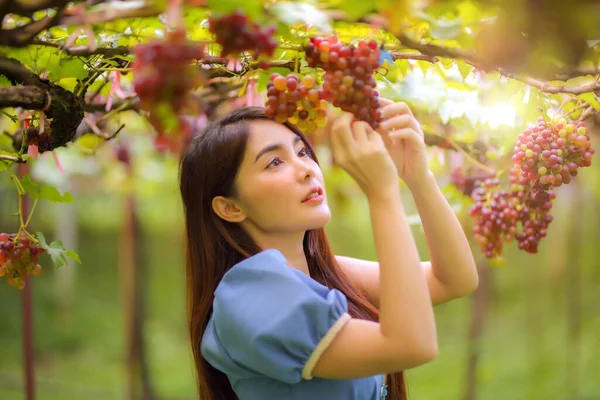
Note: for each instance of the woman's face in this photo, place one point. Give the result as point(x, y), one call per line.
point(275, 178)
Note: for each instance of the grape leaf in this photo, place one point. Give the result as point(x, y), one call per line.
point(355, 9)
point(590, 98)
point(71, 68)
point(53, 194)
point(3, 166)
point(29, 186)
point(252, 8)
point(46, 192)
point(57, 251)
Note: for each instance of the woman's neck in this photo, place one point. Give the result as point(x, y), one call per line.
point(290, 245)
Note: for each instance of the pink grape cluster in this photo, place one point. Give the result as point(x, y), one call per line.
point(534, 205)
point(496, 217)
point(18, 257)
point(295, 100)
point(236, 34)
point(348, 80)
point(553, 153)
point(163, 72)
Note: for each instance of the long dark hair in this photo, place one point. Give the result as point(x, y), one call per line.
point(208, 169)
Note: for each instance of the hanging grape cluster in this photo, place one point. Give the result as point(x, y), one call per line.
point(552, 153)
point(348, 80)
point(164, 76)
point(18, 257)
point(546, 155)
point(297, 101)
point(44, 141)
point(495, 215)
point(236, 34)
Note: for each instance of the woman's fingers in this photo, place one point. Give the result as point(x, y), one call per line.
point(393, 109)
point(399, 122)
point(408, 134)
point(341, 135)
point(385, 102)
point(361, 131)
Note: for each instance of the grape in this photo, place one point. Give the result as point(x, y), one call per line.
point(18, 257)
point(44, 141)
point(348, 75)
point(289, 99)
point(466, 179)
point(496, 217)
point(236, 34)
point(552, 153)
point(163, 74)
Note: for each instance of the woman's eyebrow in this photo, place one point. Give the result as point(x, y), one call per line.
point(273, 147)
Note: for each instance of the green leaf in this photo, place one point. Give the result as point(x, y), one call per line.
point(464, 68)
point(301, 13)
point(53, 194)
point(4, 81)
point(396, 12)
point(3, 166)
point(71, 68)
point(73, 255)
point(355, 9)
point(590, 98)
point(30, 187)
point(252, 8)
point(57, 251)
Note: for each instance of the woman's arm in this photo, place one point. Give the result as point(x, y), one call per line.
point(405, 336)
point(450, 274)
point(452, 262)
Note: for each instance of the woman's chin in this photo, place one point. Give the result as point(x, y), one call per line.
point(321, 218)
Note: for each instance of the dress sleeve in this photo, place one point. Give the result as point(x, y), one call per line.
point(270, 320)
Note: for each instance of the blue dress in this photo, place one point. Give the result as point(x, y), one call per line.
point(269, 326)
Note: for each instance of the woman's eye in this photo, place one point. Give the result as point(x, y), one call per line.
point(303, 152)
point(274, 163)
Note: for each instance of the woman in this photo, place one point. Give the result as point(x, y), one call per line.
point(273, 313)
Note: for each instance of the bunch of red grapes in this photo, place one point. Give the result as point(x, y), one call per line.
point(297, 101)
point(552, 153)
point(534, 205)
point(163, 72)
point(466, 179)
point(236, 34)
point(348, 80)
point(496, 216)
point(18, 257)
point(546, 155)
point(43, 141)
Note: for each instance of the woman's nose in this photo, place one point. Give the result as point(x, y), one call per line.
point(307, 171)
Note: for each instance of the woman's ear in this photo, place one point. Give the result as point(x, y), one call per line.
point(227, 209)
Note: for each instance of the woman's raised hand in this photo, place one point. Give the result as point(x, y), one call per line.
point(361, 152)
point(405, 141)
